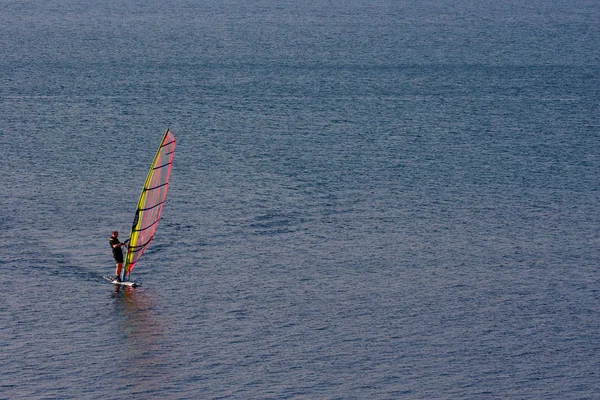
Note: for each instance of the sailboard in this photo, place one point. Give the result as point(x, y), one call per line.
point(149, 207)
point(114, 281)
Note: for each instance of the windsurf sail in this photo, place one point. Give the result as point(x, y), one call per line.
point(151, 202)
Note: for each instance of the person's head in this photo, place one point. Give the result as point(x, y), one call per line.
point(115, 233)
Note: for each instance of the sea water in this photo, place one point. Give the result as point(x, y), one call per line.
point(370, 199)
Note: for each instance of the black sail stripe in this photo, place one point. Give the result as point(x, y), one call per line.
point(161, 166)
point(150, 208)
point(141, 246)
point(149, 226)
point(156, 187)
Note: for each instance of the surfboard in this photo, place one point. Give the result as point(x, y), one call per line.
point(112, 280)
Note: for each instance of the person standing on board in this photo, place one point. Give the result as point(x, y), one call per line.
point(116, 245)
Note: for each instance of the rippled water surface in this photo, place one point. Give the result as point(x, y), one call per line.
point(370, 199)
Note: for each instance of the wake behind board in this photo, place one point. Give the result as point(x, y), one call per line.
point(126, 283)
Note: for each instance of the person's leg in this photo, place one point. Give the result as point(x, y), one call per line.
point(118, 271)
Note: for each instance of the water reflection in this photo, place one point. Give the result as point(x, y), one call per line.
point(145, 360)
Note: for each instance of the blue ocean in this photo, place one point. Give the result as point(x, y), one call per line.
point(369, 199)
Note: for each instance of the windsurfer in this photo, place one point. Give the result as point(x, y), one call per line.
point(116, 245)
